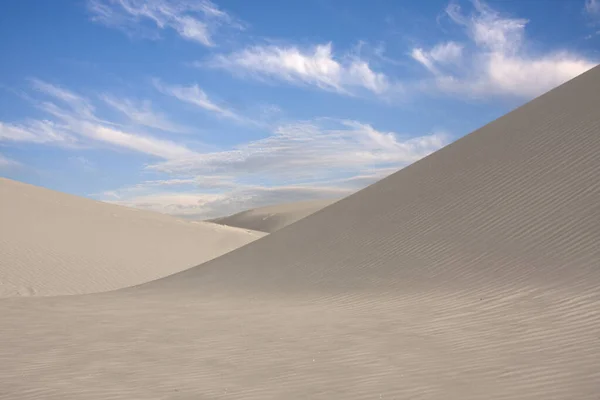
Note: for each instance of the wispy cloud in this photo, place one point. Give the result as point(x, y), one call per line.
point(83, 163)
point(192, 203)
point(75, 102)
point(592, 8)
point(498, 59)
point(320, 159)
point(192, 94)
point(314, 66)
point(195, 20)
point(136, 142)
point(76, 125)
point(142, 113)
point(442, 54)
point(36, 131)
point(304, 150)
point(6, 162)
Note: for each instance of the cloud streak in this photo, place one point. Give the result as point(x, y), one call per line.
point(76, 125)
point(142, 113)
point(320, 159)
point(194, 20)
point(592, 8)
point(192, 94)
point(442, 54)
point(195, 204)
point(303, 150)
point(6, 162)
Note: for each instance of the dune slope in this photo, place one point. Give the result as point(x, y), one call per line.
point(273, 218)
point(52, 243)
point(472, 274)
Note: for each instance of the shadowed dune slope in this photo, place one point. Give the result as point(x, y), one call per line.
point(52, 243)
point(471, 274)
point(273, 218)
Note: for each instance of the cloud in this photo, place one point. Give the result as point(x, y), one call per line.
point(303, 150)
point(136, 142)
point(6, 162)
point(592, 8)
point(76, 103)
point(196, 204)
point(442, 54)
point(83, 163)
point(363, 179)
point(315, 66)
point(497, 60)
point(141, 113)
point(194, 20)
point(78, 126)
point(192, 94)
point(36, 131)
point(320, 159)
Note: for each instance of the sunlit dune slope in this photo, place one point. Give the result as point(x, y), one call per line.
point(53, 243)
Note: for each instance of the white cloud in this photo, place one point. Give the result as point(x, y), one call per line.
point(314, 66)
point(140, 143)
point(199, 205)
point(180, 204)
point(592, 7)
point(141, 113)
point(302, 150)
point(75, 102)
point(443, 54)
point(6, 162)
point(36, 131)
point(83, 163)
point(194, 95)
point(450, 52)
point(362, 179)
point(323, 159)
point(499, 60)
point(195, 20)
point(78, 126)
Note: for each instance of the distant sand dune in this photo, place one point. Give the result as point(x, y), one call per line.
point(471, 274)
point(53, 243)
point(273, 218)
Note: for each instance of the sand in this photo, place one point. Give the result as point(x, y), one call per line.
point(52, 243)
point(471, 274)
point(274, 217)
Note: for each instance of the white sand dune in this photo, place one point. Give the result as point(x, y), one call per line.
point(274, 217)
point(52, 243)
point(472, 274)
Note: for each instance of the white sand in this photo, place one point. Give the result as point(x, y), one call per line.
point(472, 274)
point(53, 243)
point(273, 218)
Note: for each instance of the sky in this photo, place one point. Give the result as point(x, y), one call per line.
point(201, 109)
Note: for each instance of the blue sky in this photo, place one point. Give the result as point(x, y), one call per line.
point(200, 109)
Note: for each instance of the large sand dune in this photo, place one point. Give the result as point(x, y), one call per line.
point(53, 243)
point(274, 217)
point(472, 274)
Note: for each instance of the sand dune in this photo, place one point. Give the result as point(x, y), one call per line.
point(472, 274)
point(53, 243)
point(273, 218)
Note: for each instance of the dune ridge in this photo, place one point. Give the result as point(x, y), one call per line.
point(52, 243)
point(473, 273)
point(273, 217)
